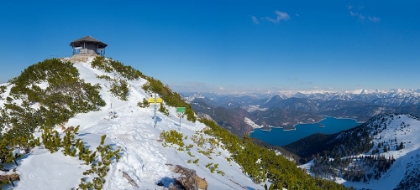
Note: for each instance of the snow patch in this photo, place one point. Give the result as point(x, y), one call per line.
point(253, 108)
point(251, 123)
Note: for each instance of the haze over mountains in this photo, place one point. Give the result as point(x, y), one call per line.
point(289, 108)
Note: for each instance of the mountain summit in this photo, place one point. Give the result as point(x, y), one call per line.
point(86, 123)
point(142, 161)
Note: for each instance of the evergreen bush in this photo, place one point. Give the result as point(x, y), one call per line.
point(172, 137)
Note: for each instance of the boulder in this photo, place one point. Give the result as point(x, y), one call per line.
point(189, 179)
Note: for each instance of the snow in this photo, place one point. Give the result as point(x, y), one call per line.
point(143, 157)
point(253, 108)
point(147, 162)
point(307, 167)
point(43, 170)
point(406, 129)
point(3, 96)
point(251, 123)
point(43, 85)
point(395, 96)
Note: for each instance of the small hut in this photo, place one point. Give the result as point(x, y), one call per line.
point(88, 46)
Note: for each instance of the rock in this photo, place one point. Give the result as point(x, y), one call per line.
point(189, 179)
point(201, 182)
point(9, 178)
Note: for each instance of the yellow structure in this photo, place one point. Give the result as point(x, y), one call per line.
point(153, 100)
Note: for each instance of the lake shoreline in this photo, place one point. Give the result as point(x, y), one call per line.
point(293, 128)
point(279, 136)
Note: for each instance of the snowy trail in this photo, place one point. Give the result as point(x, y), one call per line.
point(143, 157)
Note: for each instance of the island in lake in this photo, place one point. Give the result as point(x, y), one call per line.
point(289, 129)
point(280, 136)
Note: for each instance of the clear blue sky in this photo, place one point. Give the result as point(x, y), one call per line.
point(228, 45)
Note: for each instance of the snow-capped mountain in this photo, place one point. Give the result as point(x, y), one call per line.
point(393, 97)
point(145, 162)
point(288, 108)
point(385, 156)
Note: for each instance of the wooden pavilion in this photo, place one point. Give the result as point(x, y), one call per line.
point(88, 46)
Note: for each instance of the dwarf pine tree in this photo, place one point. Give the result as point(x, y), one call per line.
point(103, 139)
point(81, 147)
point(163, 109)
point(86, 156)
point(51, 140)
point(143, 104)
point(56, 140)
point(98, 182)
point(68, 143)
point(92, 157)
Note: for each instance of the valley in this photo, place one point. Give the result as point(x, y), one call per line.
point(287, 109)
point(379, 151)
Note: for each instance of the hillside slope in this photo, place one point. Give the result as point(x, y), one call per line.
point(383, 153)
point(88, 125)
point(129, 128)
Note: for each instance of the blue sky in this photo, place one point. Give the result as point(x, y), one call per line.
point(228, 45)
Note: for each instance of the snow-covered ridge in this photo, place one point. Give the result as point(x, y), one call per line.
point(394, 136)
point(292, 93)
point(392, 97)
point(347, 95)
point(131, 129)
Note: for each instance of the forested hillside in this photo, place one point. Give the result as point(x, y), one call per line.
point(367, 154)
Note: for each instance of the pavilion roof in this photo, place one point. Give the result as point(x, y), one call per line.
point(79, 42)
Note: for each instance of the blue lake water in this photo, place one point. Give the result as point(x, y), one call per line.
point(279, 137)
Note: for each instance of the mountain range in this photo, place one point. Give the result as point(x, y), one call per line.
point(287, 109)
point(382, 153)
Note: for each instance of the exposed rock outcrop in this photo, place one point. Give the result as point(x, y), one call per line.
point(189, 179)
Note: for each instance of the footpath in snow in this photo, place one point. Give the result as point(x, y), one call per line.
point(143, 157)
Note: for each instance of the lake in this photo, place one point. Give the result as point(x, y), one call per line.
point(279, 137)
